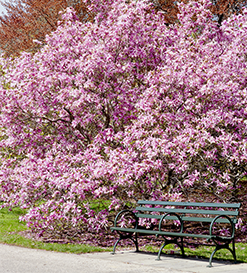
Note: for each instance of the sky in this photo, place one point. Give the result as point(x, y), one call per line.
point(1, 9)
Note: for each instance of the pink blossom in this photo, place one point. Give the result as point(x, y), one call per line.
point(122, 109)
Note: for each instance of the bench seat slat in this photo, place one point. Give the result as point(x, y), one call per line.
point(164, 233)
point(189, 211)
point(191, 204)
point(167, 233)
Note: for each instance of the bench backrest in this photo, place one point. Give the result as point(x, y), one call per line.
point(188, 211)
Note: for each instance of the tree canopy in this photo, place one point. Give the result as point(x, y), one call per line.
point(124, 108)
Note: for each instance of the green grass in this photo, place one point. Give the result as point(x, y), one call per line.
point(10, 228)
point(205, 252)
point(224, 254)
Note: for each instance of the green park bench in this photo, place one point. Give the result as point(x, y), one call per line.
point(183, 216)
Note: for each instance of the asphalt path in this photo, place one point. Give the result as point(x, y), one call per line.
point(15, 259)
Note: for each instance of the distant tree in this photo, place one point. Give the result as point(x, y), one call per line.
point(28, 20)
point(222, 9)
point(225, 8)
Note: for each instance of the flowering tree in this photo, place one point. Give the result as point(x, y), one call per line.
point(121, 109)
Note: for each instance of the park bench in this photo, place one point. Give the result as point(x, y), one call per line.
point(185, 217)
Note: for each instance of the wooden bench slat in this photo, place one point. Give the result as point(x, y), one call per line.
point(189, 211)
point(147, 231)
point(190, 204)
point(165, 233)
point(151, 216)
point(186, 218)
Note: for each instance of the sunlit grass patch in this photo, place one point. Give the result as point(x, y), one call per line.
point(11, 232)
point(204, 252)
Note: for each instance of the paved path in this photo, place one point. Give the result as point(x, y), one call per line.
point(23, 260)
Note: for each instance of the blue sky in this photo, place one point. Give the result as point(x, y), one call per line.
point(1, 9)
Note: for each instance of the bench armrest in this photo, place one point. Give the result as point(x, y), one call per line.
point(124, 214)
point(230, 222)
point(175, 214)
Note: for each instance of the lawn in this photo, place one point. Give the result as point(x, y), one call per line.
point(12, 230)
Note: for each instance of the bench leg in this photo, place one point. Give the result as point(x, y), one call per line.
point(135, 241)
point(211, 257)
point(173, 241)
point(160, 251)
point(234, 251)
point(182, 246)
point(115, 245)
point(224, 246)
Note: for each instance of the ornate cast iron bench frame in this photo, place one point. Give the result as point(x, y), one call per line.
point(183, 212)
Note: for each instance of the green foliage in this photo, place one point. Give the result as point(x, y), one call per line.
point(99, 205)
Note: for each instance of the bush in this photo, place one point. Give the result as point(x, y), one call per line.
point(122, 109)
